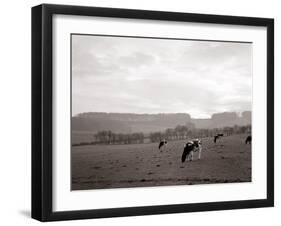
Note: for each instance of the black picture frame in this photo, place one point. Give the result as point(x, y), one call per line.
point(42, 106)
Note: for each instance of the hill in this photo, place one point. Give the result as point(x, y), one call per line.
point(129, 122)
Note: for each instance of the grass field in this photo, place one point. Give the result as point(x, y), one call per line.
point(138, 165)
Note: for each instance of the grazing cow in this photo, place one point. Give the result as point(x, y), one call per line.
point(189, 149)
point(162, 144)
point(248, 139)
point(217, 137)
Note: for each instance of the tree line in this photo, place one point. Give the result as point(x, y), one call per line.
point(108, 137)
point(180, 132)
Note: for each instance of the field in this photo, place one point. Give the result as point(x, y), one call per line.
point(139, 165)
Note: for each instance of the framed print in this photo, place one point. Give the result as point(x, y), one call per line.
point(140, 112)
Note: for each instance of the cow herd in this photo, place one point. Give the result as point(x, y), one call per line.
point(195, 145)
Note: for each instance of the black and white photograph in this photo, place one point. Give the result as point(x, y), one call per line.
point(154, 111)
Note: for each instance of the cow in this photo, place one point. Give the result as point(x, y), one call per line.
point(217, 137)
point(189, 148)
point(248, 139)
point(162, 144)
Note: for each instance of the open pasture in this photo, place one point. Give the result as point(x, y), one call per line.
point(139, 165)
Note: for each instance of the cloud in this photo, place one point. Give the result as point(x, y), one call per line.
point(136, 59)
point(141, 75)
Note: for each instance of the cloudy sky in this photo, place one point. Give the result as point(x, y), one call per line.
point(142, 75)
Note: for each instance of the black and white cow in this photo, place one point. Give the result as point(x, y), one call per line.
point(162, 144)
point(189, 148)
point(216, 137)
point(248, 139)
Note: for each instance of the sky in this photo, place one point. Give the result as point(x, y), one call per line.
point(144, 75)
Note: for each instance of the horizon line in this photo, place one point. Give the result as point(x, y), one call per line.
point(238, 113)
